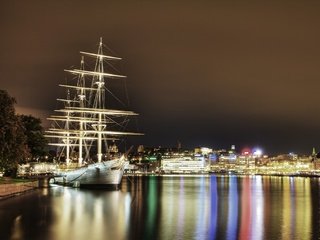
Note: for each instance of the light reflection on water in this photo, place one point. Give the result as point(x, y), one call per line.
point(233, 208)
point(84, 214)
point(170, 207)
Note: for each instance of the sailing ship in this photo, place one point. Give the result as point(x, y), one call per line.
point(85, 129)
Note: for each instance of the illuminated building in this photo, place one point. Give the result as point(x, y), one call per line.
point(184, 165)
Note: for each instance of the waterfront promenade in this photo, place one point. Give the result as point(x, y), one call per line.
point(11, 187)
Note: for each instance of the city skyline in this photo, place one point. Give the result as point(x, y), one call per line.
point(204, 74)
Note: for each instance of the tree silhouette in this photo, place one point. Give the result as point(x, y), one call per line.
point(34, 132)
point(13, 141)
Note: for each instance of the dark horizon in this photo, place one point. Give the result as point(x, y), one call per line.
point(203, 73)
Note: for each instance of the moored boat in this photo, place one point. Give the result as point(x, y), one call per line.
point(86, 129)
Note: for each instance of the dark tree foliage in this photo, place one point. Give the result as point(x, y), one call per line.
point(35, 139)
point(13, 142)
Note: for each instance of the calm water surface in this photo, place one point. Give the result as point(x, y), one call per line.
point(170, 207)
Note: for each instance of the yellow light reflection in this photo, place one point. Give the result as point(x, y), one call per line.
point(83, 215)
point(303, 224)
point(287, 209)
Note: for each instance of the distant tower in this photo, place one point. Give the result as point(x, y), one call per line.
point(140, 149)
point(179, 146)
point(314, 154)
point(233, 148)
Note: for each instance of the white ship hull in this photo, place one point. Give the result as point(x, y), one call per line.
point(103, 174)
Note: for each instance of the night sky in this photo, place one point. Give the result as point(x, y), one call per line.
point(205, 73)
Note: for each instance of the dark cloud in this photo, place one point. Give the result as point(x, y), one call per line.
point(215, 73)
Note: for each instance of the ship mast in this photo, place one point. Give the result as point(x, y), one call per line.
point(67, 140)
point(81, 97)
point(100, 100)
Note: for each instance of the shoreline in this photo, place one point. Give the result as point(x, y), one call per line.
point(220, 174)
point(9, 188)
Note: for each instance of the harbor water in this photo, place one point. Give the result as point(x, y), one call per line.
point(169, 207)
